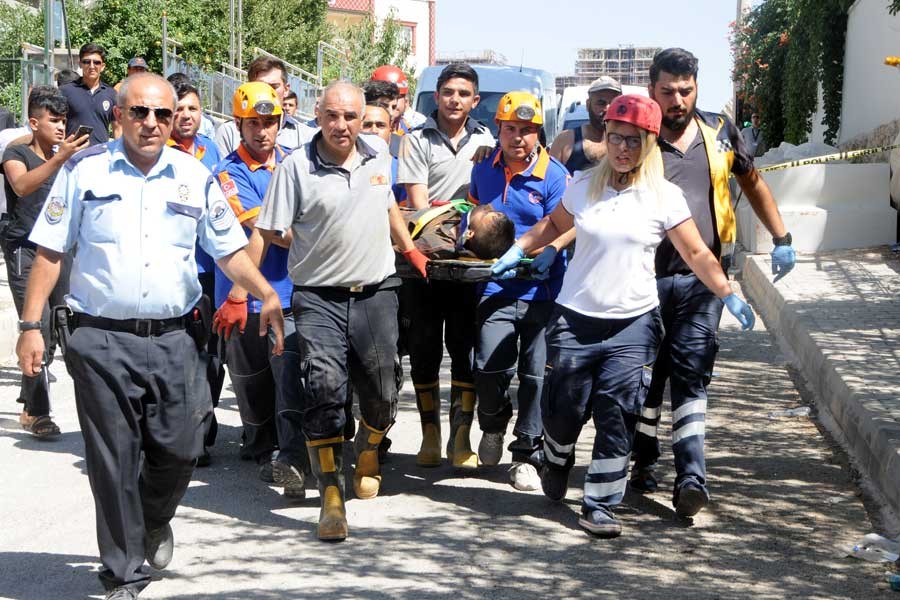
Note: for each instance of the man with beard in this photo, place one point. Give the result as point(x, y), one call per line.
point(583, 147)
point(700, 150)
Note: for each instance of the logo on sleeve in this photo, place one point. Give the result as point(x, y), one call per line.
point(535, 197)
point(221, 216)
point(379, 179)
point(56, 208)
point(229, 189)
point(106, 105)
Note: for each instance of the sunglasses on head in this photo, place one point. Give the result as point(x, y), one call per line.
point(139, 113)
point(88, 61)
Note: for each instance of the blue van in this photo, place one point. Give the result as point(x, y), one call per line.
point(493, 82)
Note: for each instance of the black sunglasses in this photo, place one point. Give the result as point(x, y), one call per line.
point(87, 61)
point(139, 113)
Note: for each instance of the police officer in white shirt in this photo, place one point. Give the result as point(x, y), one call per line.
point(135, 208)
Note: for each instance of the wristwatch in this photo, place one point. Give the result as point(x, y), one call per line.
point(29, 325)
point(785, 240)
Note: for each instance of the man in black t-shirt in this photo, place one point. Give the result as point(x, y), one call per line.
point(29, 171)
point(90, 100)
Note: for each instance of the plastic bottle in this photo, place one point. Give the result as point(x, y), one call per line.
point(875, 548)
point(800, 411)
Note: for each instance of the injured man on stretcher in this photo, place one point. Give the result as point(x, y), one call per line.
point(458, 229)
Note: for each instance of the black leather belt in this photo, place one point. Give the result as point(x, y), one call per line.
point(139, 327)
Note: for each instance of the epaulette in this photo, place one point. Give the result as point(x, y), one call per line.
point(82, 154)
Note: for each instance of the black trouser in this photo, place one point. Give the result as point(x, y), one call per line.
point(215, 369)
point(35, 394)
point(440, 310)
point(136, 397)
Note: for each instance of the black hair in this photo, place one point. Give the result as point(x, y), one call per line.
point(264, 64)
point(380, 89)
point(675, 61)
point(66, 76)
point(183, 88)
point(496, 234)
point(290, 95)
point(380, 104)
point(92, 48)
point(179, 78)
point(47, 97)
point(458, 69)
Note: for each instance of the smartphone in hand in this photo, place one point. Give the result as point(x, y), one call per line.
point(83, 130)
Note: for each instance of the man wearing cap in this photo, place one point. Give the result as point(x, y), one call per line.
point(584, 146)
point(91, 101)
point(135, 65)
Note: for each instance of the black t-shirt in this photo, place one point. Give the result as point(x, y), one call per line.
point(94, 109)
point(24, 211)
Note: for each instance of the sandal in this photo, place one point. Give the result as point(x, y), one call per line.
point(40, 427)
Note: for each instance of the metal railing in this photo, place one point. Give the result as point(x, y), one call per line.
point(303, 83)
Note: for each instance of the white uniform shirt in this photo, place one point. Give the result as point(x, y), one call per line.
point(612, 274)
point(135, 234)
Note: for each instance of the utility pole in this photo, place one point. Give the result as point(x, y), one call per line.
point(48, 41)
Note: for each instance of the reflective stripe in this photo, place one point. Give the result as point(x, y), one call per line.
point(694, 407)
point(603, 490)
point(688, 430)
point(648, 430)
point(650, 413)
point(552, 458)
point(609, 465)
point(556, 446)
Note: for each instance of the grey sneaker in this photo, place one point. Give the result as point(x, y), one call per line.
point(291, 478)
point(490, 449)
point(121, 593)
point(524, 477)
point(601, 523)
point(158, 546)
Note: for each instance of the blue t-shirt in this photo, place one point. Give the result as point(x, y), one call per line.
point(525, 198)
point(205, 151)
point(244, 181)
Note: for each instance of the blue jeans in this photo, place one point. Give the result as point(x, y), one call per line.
point(512, 339)
point(598, 368)
point(690, 314)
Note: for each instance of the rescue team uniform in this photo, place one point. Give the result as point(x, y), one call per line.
point(512, 314)
point(93, 108)
point(266, 386)
point(19, 253)
point(689, 310)
point(578, 160)
point(138, 374)
point(605, 330)
point(291, 134)
point(344, 298)
point(437, 309)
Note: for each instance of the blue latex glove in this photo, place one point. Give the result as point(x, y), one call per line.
point(505, 267)
point(783, 260)
point(741, 310)
point(540, 266)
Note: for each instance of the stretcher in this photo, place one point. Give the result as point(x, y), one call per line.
point(463, 270)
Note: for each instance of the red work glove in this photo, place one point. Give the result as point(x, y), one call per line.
point(418, 261)
point(232, 312)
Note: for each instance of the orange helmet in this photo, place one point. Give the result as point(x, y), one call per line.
point(392, 74)
point(255, 99)
point(638, 110)
point(520, 106)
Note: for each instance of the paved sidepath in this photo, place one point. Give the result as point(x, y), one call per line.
point(781, 505)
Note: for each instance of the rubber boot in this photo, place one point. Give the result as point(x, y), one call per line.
point(462, 411)
point(367, 476)
point(428, 401)
point(326, 460)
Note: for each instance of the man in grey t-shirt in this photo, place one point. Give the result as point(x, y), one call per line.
point(334, 196)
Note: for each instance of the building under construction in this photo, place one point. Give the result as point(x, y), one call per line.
point(630, 65)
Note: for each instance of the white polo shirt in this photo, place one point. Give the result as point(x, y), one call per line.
point(612, 274)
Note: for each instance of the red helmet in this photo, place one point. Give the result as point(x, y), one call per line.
point(638, 110)
point(392, 74)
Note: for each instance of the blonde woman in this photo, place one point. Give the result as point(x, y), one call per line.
point(603, 336)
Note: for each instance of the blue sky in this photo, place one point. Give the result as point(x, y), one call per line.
point(549, 32)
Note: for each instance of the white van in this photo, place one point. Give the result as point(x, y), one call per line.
point(493, 82)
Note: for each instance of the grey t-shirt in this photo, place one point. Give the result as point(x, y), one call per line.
point(338, 217)
point(427, 157)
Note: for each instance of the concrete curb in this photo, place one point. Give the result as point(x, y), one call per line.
point(868, 430)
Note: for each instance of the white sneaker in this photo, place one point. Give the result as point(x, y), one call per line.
point(524, 477)
point(490, 449)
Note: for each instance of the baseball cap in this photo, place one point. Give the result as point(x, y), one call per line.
point(137, 61)
point(605, 83)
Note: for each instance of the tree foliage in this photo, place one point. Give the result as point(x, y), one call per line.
point(371, 44)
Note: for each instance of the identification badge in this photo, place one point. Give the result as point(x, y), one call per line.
point(55, 210)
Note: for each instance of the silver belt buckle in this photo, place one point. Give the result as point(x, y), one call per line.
point(355, 289)
point(143, 327)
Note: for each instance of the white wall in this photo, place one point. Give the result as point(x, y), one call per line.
point(411, 11)
point(871, 89)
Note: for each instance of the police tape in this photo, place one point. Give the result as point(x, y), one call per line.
point(816, 160)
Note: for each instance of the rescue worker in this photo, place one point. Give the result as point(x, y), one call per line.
point(377, 121)
point(387, 93)
point(435, 164)
point(521, 180)
point(700, 150)
point(134, 208)
point(409, 118)
point(266, 386)
point(604, 333)
point(333, 197)
point(584, 146)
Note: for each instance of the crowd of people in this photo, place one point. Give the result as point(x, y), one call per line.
point(157, 250)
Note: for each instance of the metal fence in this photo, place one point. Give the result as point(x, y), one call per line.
point(18, 76)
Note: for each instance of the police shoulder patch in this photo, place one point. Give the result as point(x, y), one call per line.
point(221, 216)
point(55, 209)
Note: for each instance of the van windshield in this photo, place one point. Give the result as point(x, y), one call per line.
point(484, 112)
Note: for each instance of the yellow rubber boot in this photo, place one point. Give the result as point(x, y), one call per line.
point(428, 401)
point(367, 476)
point(462, 412)
point(326, 460)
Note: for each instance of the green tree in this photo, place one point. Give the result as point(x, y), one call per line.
point(290, 30)
point(371, 44)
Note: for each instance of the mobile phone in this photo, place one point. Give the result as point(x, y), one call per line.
point(83, 130)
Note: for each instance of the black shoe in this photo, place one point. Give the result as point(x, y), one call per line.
point(643, 480)
point(601, 523)
point(291, 478)
point(158, 547)
point(554, 482)
point(121, 593)
point(205, 459)
point(690, 498)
